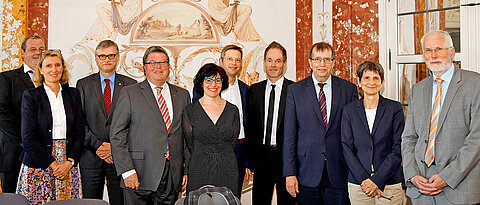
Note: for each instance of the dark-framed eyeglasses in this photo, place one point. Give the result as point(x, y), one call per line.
point(109, 56)
point(211, 80)
point(160, 63)
point(326, 60)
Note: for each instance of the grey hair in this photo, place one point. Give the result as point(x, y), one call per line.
point(446, 36)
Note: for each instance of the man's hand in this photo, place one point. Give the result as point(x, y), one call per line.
point(424, 186)
point(184, 182)
point(370, 188)
point(248, 174)
point(62, 170)
point(437, 182)
point(105, 152)
point(292, 185)
point(131, 181)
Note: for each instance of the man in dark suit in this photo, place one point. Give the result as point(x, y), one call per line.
point(12, 85)
point(236, 93)
point(98, 102)
point(313, 162)
point(265, 111)
point(147, 136)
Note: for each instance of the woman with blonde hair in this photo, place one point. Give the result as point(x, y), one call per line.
point(52, 132)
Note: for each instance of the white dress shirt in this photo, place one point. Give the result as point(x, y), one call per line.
point(370, 113)
point(278, 92)
point(26, 68)
point(232, 95)
point(59, 126)
point(327, 89)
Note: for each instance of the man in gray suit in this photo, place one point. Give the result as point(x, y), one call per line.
point(441, 141)
point(146, 134)
point(99, 93)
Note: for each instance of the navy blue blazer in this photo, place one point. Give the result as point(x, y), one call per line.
point(381, 147)
point(36, 128)
point(308, 145)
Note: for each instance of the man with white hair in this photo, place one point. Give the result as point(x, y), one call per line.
point(441, 140)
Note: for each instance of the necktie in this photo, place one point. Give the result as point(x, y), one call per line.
point(430, 151)
point(166, 116)
point(271, 104)
point(107, 95)
point(30, 73)
point(322, 101)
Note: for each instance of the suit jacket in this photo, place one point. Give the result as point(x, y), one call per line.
point(457, 149)
point(308, 144)
point(381, 147)
point(256, 119)
point(139, 137)
point(12, 85)
point(37, 123)
point(97, 120)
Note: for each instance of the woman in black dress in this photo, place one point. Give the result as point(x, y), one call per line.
point(211, 127)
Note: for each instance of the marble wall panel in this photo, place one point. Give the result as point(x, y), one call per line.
point(304, 39)
point(37, 18)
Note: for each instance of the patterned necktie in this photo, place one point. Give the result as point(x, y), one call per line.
point(107, 96)
point(166, 116)
point(322, 101)
point(430, 151)
point(271, 105)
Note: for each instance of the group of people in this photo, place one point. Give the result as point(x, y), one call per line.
point(314, 141)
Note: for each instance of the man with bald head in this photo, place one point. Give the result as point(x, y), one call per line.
point(440, 143)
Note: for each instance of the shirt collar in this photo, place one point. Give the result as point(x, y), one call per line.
point(154, 87)
point(26, 68)
point(327, 82)
point(50, 90)
point(278, 84)
point(111, 78)
point(446, 77)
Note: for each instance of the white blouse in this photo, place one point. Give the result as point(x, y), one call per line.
point(59, 127)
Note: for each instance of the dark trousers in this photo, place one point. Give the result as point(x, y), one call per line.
point(9, 181)
point(240, 152)
point(93, 180)
point(164, 195)
point(324, 193)
point(268, 174)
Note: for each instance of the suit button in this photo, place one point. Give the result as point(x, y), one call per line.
point(370, 147)
point(323, 153)
point(426, 141)
point(164, 154)
point(49, 130)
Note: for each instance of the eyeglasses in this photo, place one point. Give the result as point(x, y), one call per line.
point(109, 56)
point(326, 60)
point(237, 60)
point(438, 49)
point(160, 63)
point(211, 80)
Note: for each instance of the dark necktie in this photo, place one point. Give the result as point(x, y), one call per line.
point(107, 96)
point(322, 101)
point(271, 104)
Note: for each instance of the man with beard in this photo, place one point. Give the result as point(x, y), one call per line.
point(99, 93)
point(12, 85)
point(440, 144)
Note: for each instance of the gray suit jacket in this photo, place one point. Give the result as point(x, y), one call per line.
point(98, 121)
point(457, 144)
point(139, 136)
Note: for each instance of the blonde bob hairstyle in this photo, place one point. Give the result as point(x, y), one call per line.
point(38, 78)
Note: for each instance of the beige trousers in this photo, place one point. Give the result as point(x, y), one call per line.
point(394, 192)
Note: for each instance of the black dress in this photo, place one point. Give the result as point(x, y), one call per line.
point(212, 147)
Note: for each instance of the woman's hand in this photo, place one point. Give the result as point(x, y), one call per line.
point(62, 170)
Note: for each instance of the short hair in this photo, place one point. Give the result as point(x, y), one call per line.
point(106, 44)
point(371, 66)
point(231, 47)
point(276, 45)
point(321, 46)
point(35, 36)
point(447, 38)
point(154, 49)
point(209, 69)
point(38, 78)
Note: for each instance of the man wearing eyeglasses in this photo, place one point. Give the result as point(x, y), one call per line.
point(12, 85)
point(147, 135)
point(440, 144)
point(99, 93)
point(236, 93)
point(313, 162)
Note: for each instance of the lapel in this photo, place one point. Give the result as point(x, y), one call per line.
point(452, 90)
point(261, 104)
point(379, 114)
point(281, 108)
point(116, 91)
point(335, 99)
point(68, 105)
point(360, 109)
point(46, 105)
point(25, 77)
point(311, 95)
point(177, 108)
point(427, 105)
point(97, 91)
point(147, 93)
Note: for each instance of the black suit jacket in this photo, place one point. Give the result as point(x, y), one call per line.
point(12, 85)
point(256, 118)
point(97, 129)
point(37, 123)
